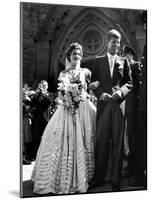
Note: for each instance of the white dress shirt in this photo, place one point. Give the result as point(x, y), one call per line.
point(111, 60)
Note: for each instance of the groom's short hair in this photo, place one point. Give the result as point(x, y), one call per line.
point(113, 33)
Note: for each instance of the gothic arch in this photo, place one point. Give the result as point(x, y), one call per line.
point(90, 20)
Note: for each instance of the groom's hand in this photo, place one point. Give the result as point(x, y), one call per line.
point(117, 95)
point(105, 97)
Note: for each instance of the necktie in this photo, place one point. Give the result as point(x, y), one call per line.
point(111, 65)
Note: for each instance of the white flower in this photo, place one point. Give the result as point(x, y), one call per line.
point(120, 63)
point(71, 89)
point(76, 99)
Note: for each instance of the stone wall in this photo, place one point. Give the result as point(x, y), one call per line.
point(32, 17)
point(49, 29)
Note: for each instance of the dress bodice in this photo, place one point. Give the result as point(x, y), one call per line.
point(82, 73)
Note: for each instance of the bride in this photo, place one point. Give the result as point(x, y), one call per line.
point(65, 158)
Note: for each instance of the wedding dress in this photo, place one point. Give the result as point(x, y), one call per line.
point(65, 158)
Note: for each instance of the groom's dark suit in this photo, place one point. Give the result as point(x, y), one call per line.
point(110, 119)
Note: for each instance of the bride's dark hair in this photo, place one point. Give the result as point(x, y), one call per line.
point(73, 46)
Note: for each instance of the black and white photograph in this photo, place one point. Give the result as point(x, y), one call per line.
point(75, 99)
point(83, 99)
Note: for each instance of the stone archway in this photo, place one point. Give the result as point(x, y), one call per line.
point(89, 28)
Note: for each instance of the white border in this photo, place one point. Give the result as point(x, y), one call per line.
point(9, 100)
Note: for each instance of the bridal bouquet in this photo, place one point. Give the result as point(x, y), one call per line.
point(71, 92)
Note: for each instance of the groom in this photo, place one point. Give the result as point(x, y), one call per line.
point(112, 74)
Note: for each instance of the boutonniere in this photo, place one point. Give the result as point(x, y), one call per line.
point(119, 64)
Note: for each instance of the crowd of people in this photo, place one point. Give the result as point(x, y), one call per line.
point(98, 121)
point(38, 107)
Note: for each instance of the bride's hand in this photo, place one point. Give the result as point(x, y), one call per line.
point(94, 85)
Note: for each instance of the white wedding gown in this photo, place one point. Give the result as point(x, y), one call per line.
point(65, 159)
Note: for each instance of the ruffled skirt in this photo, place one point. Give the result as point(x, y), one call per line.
point(65, 158)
